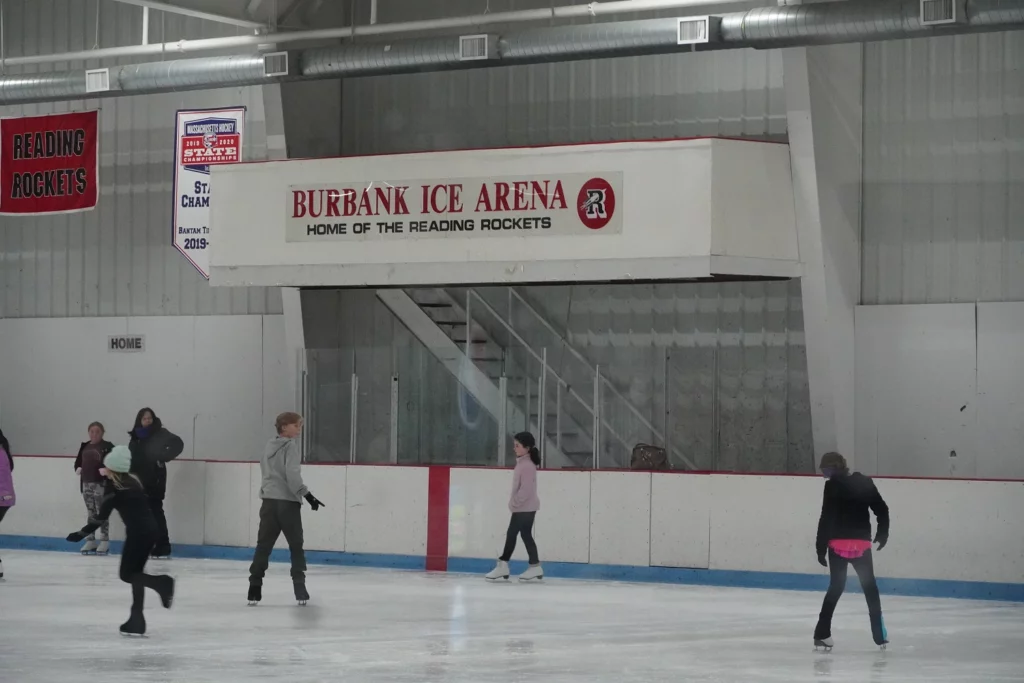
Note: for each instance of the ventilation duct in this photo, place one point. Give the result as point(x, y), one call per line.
point(767, 27)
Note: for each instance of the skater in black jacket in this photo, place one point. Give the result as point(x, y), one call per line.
point(844, 533)
point(126, 495)
point(152, 447)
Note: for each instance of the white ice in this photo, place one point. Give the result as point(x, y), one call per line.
point(59, 615)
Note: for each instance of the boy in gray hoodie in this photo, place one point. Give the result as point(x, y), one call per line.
point(282, 492)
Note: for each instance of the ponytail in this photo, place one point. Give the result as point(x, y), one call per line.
point(535, 456)
point(526, 440)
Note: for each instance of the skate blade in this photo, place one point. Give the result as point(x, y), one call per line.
point(302, 603)
point(535, 579)
point(496, 578)
point(133, 635)
point(89, 552)
point(254, 603)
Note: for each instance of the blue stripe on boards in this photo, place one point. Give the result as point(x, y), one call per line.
point(925, 588)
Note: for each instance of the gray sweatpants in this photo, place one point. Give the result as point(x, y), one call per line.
point(93, 496)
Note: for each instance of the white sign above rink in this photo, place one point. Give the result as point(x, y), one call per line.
point(552, 204)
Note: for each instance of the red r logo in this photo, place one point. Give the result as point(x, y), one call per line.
point(596, 203)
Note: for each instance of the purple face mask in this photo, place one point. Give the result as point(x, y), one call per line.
point(827, 472)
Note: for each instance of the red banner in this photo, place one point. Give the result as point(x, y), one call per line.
point(49, 164)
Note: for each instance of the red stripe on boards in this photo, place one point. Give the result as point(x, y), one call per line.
point(437, 518)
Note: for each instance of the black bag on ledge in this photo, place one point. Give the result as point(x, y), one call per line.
point(648, 457)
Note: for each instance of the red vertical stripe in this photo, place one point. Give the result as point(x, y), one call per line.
point(437, 519)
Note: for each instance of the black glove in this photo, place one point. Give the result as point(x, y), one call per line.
point(76, 537)
point(821, 561)
point(881, 541)
point(313, 502)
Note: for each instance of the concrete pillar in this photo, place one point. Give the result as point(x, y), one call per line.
point(824, 102)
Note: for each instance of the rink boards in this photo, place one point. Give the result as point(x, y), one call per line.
point(956, 538)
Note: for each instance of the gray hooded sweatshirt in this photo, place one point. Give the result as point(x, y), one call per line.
point(280, 467)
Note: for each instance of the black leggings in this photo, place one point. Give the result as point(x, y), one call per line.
point(521, 524)
point(133, 562)
point(3, 511)
point(865, 569)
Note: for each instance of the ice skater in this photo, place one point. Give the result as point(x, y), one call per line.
point(6, 483)
point(523, 504)
point(153, 446)
point(844, 532)
point(125, 494)
point(92, 484)
point(282, 492)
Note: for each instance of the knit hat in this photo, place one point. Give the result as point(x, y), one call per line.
point(119, 460)
point(833, 461)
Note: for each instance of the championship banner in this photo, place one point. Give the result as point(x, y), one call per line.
point(203, 138)
point(559, 204)
point(49, 164)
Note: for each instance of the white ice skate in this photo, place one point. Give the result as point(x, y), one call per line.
point(90, 547)
point(824, 644)
point(500, 571)
point(533, 573)
point(103, 548)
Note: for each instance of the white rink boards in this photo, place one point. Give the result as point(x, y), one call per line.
point(60, 614)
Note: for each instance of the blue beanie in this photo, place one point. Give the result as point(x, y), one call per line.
point(119, 460)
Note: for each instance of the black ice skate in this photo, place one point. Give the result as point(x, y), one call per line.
point(255, 594)
point(135, 626)
point(823, 644)
point(165, 588)
point(301, 594)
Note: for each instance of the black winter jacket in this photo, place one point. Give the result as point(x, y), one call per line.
point(105, 448)
point(844, 511)
point(133, 504)
point(150, 456)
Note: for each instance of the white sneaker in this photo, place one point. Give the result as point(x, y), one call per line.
point(500, 571)
point(533, 573)
point(103, 548)
point(90, 547)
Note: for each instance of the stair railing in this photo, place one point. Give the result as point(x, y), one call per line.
point(561, 386)
point(594, 370)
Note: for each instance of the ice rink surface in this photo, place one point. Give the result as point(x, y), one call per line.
point(59, 615)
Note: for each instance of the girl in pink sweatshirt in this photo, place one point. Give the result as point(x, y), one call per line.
point(523, 504)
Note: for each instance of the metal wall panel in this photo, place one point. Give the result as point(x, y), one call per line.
point(944, 170)
point(117, 259)
point(728, 93)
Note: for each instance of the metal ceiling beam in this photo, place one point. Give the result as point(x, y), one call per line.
point(197, 14)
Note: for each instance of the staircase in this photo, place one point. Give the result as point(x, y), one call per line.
point(514, 381)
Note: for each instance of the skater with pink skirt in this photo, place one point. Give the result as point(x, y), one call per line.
point(6, 482)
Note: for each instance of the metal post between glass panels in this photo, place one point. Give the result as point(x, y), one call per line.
point(502, 417)
point(558, 416)
point(542, 412)
point(596, 461)
point(353, 418)
point(394, 420)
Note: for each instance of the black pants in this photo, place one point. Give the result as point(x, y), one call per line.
point(162, 545)
point(133, 563)
point(277, 517)
point(865, 569)
point(521, 524)
point(3, 511)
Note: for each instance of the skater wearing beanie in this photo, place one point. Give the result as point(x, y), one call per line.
point(152, 447)
point(125, 494)
point(282, 492)
point(6, 482)
point(844, 533)
point(523, 504)
point(92, 484)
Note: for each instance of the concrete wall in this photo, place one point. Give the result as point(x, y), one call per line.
point(216, 381)
point(939, 390)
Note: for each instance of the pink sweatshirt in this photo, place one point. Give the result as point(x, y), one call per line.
point(524, 487)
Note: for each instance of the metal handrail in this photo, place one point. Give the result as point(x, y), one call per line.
point(579, 356)
point(470, 294)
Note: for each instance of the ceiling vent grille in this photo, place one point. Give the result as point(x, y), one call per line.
point(97, 80)
point(275, 64)
point(472, 48)
point(942, 12)
point(698, 30)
